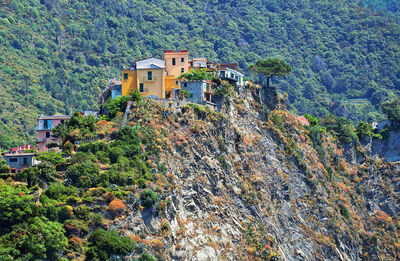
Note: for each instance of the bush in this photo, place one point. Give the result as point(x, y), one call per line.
point(103, 244)
point(146, 257)
point(148, 198)
point(60, 192)
point(83, 174)
point(116, 207)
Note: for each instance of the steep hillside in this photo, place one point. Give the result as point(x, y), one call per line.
point(190, 183)
point(55, 56)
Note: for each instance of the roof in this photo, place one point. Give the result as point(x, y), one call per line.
point(304, 121)
point(24, 147)
point(229, 69)
point(54, 117)
point(150, 63)
point(18, 154)
point(175, 52)
point(232, 66)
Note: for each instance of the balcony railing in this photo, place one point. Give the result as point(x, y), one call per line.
point(39, 128)
point(147, 79)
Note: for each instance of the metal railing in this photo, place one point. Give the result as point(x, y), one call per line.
point(147, 79)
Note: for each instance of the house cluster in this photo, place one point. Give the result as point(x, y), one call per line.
point(151, 77)
point(160, 78)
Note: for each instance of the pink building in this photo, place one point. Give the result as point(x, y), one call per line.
point(46, 124)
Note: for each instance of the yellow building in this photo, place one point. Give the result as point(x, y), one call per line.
point(147, 76)
point(156, 77)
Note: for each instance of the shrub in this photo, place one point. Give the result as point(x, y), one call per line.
point(103, 244)
point(116, 207)
point(83, 174)
point(58, 191)
point(148, 198)
point(146, 257)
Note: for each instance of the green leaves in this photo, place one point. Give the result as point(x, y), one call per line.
point(271, 67)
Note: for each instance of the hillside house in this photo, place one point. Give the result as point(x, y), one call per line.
point(45, 126)
point(20, 161)
point(200, 91)
point(113, 90)
point(159, 78)
point(229, 72)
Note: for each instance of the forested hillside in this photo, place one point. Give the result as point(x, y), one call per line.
point(56, 56)
point(390, 6)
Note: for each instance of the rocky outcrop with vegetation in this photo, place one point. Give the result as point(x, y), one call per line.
point(192, 183)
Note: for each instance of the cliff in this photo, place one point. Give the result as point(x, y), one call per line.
point(247, 185)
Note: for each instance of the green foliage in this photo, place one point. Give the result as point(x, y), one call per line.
point(16, 206)
point(116, 105)
point(271, 67)
point(364, 129)
point(104, 244)
point(198, 74)
point(314, 121)
point(83, 174)
point(52, 157)
point(148, 198)
point(392, 110)
point(224, 89)
point(60, 192)
point(39, 239)
point(146, 257)
point(335, 47)
point(340, 128)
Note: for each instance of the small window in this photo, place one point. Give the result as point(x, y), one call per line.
point(149, 75)
point(173, 61)
point(25, 161)
point(13, 159)
point(176, 82)
point(62, 122)
point(47, 134)
point(141, 87)
point(45, 124)
point(125, 76)
point(183, 70)
point(13, 171)
point(185, 84)
point(183, 59)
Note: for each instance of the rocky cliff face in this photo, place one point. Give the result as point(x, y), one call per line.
point(251, 186)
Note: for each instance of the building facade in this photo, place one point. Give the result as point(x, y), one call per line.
point(19, 161)
point(45, 126)
point(200, 91)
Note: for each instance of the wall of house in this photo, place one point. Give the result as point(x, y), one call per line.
point(196, 89)
point(19, 164)
point(176, 69)
point(129, 84)
point(170, 83)
point(156, 86)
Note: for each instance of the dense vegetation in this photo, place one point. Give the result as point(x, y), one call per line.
point(56, 56)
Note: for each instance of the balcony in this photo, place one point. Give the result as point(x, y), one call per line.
point(39, 128)
point(229, 77)
point(147, 79)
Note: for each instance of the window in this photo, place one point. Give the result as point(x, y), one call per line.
point(176, 82)
point(173, 61)
point(182, 59)
point(45, 124)
point(62, 122)
point(47, 134)
point(13, 159)
point(125, 76)
point(182, 70)
point(149, 75)
point(141, 87)
point(25, 161)
point(185, 84)
point(13, 171)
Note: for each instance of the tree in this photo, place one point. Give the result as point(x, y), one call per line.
point(196, 75)
point(270, 68)
point(37, 240)
point(392, 110)
point(148, 198)
point(103, 244)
